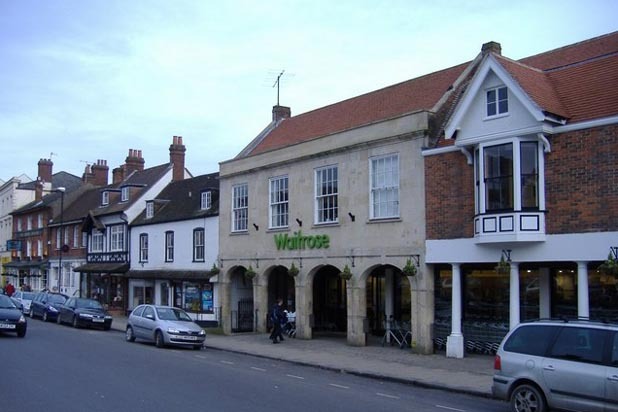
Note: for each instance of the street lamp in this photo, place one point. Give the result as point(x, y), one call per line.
point(61, 245)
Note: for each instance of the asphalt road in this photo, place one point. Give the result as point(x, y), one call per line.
point(58, 368)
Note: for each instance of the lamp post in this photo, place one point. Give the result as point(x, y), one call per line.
point(61, 245)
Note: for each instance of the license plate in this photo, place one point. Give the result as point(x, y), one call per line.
point(189, 337)
point(6, 326)
point(98, 320)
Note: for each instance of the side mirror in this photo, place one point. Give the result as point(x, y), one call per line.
point(151, 317)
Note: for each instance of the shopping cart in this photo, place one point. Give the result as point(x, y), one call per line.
point(290, 326)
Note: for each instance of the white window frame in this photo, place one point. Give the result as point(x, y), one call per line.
point(76, 236)
point(116, 237)
point(199, 244)
point(105, 198)
point(58, 238)
point(326, 194)
point(149, 209)
point(169, 246)
point(19, 224)
point(143, 247)
point(384, 194)
point(28, 248)
point(279, 202)
point(98, 242)
point(40, 221)
point(124, 194)
point(84, 239)
point(206, 200)
point(240, 207)
point(496, 103)
point(29, 222)
point(39, 248)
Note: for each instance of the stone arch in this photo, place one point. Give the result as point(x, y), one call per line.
point(237, 300)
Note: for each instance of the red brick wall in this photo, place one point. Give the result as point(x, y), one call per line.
point(581, 181)
point(449, 188)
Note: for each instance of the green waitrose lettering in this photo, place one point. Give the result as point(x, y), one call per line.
point(299, 241)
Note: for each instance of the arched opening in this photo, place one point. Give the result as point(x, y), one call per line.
point(280, 285)
point(329, 302)
point(241, 301)
point(388, 299)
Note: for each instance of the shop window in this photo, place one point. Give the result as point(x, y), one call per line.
point(198, 297)
point(564, 294)
point(326, 195)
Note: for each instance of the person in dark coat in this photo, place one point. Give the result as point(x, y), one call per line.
point(277, 317)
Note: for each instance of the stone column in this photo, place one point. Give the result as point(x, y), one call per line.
point(225, 293)
point(389, 300)
point(544, 294)
point(357, 310)
point(455, 341)
point(422, 316)
point(304, 308)
point(583, 300)
point(260, 301)
point(514, 296)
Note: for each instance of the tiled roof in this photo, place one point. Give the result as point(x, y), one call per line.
point(410, 96)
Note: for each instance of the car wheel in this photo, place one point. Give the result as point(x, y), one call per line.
point(45, 317)
point(159, 341)
point(75, 322)
point(21, 334)
point(527, 398)
point(129, 335)
point(58, 321)
point(31, 313)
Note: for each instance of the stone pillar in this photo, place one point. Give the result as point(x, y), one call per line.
point(583, 302)
point(260, 302)
point(455, 341)
point(304, 308)
point(514, 296)
point(544, 294)
point(225, 291)
point(389, 300)
point(357, 312)
point(422, 316)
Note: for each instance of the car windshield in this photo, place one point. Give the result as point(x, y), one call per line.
point(28, 295)
point(56, 299)
point(173, 314)
point(88, 304)
point(6, 302)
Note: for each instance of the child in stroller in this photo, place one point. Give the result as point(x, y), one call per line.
point(289, 328)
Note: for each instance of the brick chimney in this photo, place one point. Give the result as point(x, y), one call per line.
point(38, 190)
point(45, 170)
point(177, 158)
point(491, 47)
point(100, 170)
point(280, 113)
point(118, 174)
point(133, 162)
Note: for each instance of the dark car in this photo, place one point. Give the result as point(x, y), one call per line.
point(84, 312)
point(11, 318)
point(46, 305)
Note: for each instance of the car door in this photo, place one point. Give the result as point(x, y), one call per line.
point(574, 370)
point(611, 384)
point(148, 323)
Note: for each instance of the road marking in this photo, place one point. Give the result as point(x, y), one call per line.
point(339, 386)
point(294, 376)
point(227, 362)
point(387, 395)
point(450, 409)
point(255, 368)
point(200, 356)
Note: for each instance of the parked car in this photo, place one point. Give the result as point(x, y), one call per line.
point(84, 312)
point(25, 298)
point(11, 317)
point(164, 325)
point(571, 365)
point(46, 305)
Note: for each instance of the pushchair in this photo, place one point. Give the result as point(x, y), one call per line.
point(289, 328)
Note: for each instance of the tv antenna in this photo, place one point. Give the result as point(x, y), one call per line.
point(52, 154)
point(277, 83)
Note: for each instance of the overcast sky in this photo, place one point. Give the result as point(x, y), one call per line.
point(91, 79)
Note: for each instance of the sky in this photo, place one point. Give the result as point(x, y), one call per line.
point(82, 80)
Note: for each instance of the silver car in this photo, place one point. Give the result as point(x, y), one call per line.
point(25, 298)
point(164, 325)
point(567, 365)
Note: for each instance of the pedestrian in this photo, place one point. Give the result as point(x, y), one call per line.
point(9, 289)
point(26, 288)
point(277, 317)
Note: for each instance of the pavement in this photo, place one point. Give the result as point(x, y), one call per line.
point(471, 375)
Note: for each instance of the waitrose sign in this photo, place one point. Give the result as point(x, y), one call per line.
point(299, 241)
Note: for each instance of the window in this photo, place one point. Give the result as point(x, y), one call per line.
point(169, 246)
point(124, 194)
point(84, 239)
point(117, 238)
point(529, 175)
point(19, 224)
point(75, 236)
point(143, 247)
point(97, 242)
point(40, 221)
point(498, 177)
point(28, 248)
point(530, 340)
point(105, 198)
point(206, 200)
point(385, 187)
point(39, 248)
point(58, 239)
point(497, 101)
point(29, 223)
point(279, 202)
point(579, 344)
point(240, 207)
point(198, 245)
point(326, 195)
point(149, 210)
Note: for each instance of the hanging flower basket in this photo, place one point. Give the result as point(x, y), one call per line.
point(250, 273)
point(610, 266)
point(214, 270)
point(503, 267)
point(409, 269)
point(346, 274)
point(293, 270)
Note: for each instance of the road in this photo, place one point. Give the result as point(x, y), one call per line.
point(58, 368)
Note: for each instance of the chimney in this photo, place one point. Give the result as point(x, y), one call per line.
point(491, 47)
point(134, 162)
point(45, 170)
point(88, 176)
point(38, 190)
point(280, 113)
point(99, 173)
point(118, 174)
point(177, 158)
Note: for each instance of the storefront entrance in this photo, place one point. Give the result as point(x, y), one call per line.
point(329, 301)
point(388, 299)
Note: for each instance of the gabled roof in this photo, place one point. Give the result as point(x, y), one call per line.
point(181, 200)
point(59, 179)
point(70, 182)
point(420, 94)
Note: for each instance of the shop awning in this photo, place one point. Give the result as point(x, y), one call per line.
point(118, 268)
point(169, 274)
